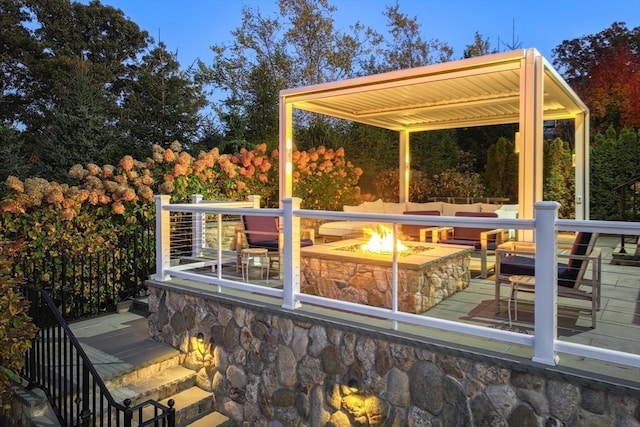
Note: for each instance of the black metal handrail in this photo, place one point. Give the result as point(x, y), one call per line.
point(86, 284)
point(57, 363)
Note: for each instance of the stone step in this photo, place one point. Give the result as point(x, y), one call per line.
point(190, 405)
point(169, 359)
point(213, 419)
point(156, 387)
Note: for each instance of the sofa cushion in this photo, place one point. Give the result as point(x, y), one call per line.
point(394, 208)
point(489, 207)
point(429, 206)
point(374, 207)
point(526, 266)
point(357, 208)
point(450, 209)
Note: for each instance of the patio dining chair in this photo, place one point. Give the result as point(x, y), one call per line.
point(517, 258)
point(263, 232)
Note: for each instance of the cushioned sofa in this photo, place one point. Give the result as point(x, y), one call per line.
point(335, 230)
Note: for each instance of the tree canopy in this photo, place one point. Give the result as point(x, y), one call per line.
point(82, 83)
point(604, 69)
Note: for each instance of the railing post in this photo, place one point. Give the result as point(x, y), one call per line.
point(546, 283)
point(255, 199)
point(171, 417)
point(197, 228)
point(163, 237)
point(291, 252)
point(127, 413)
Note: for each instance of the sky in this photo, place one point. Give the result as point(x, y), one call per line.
point(190, 27)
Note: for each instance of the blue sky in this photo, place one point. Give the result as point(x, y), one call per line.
point(190, 27)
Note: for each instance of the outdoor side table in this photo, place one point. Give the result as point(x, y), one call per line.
point(254, 257)
point(517, 281)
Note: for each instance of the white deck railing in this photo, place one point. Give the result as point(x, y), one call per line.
point(544, 341)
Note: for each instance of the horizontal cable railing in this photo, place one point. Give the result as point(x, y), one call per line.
point(57, 363)
point(545, 336)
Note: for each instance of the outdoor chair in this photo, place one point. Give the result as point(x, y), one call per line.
point(418, 232)
point(263, 232)
point(484, 240)
point(517, 258)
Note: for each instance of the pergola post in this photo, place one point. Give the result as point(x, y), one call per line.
point(531, 154)
point(286, 148)
point(405, 165)
point(582, 166)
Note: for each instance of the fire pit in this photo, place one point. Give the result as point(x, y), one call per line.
point(427, 273)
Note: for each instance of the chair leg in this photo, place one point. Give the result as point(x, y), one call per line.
point(513, 297)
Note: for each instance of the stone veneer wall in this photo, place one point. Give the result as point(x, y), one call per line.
point(361, 282)
point(267, 367)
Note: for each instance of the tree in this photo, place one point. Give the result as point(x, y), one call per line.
point(251, 72)
point(78, 130)
point(501, 171)
point(558, 173)
point(406, 48)
point(613, 161)
point(65, 64)
point(17, 50)
point(604, 68)
point(479, 47)
point(161, 105)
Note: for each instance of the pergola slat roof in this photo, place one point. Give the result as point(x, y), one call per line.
point(505, 88)
point(472, 92)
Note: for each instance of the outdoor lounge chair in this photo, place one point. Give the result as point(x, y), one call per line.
point(262, 232)
point(418, 232)
point(483, 240)
point(516, 258)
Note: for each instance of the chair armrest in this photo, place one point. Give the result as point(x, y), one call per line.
point(437, 233)
point(424, 232)
point(310, 233)
point(514, 246)
point(500, 236)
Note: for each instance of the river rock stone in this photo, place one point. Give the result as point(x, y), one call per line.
point(427, 387)
point(502, 398)
point(483, 413)
point(398, 388)
point(286, 367)
point(564, 399)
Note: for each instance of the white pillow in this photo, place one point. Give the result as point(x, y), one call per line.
point(507, 211)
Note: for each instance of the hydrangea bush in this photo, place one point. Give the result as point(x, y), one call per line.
point(107, 201)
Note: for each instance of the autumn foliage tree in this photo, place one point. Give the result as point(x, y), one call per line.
point(604, 69)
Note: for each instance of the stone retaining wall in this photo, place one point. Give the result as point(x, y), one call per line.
point(265, 367)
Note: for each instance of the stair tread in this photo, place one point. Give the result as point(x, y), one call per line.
point(189, 404)
point(214, 419)
point(188, 396)
point(173, 375)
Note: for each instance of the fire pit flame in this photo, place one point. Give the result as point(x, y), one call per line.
point(381, 241)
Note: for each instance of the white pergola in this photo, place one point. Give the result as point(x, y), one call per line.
point(505, 88)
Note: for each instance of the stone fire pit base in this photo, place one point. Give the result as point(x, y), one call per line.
point(424, 278)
